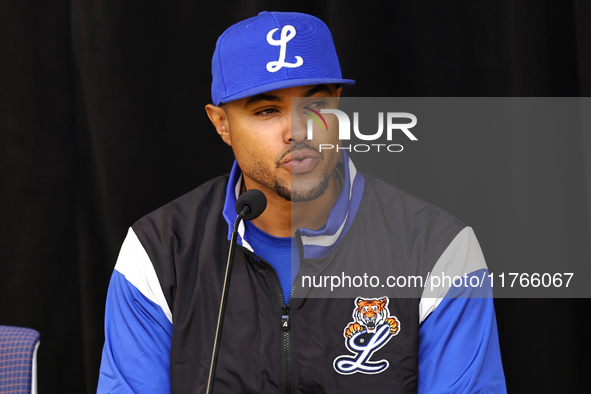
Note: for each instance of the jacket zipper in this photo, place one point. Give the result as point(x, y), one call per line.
point(285, 327)
point(286, 347)
point(285, 324)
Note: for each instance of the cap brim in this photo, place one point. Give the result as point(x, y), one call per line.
point(286, 83)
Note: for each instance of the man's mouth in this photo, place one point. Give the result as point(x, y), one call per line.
point(300, 161)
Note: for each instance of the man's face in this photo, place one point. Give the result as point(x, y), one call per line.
point(268, 134)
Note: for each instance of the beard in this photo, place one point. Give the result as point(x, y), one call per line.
point(296, 193)
point(295, 190)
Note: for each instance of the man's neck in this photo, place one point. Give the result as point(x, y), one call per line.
point(282, 218)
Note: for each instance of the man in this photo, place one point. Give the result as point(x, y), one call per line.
point(322, 217)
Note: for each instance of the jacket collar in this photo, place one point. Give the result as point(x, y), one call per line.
point(317, 243)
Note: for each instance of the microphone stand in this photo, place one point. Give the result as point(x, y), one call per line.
point(218, 331)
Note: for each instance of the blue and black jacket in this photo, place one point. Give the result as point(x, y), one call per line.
point(164, 294)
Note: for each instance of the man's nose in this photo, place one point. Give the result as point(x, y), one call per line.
point(297, 127)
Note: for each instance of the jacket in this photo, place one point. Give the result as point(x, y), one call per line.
point(164, 294)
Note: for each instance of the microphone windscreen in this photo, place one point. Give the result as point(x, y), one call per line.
point(255, 200)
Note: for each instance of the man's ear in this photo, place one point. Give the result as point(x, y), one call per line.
point(219, 119)
point(338, 93)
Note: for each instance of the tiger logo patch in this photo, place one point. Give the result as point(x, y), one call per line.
point(372, 327)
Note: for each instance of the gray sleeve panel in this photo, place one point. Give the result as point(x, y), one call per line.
point(462, 256)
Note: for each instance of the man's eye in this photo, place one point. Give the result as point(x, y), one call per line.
point(266, 112)
point(317, 104)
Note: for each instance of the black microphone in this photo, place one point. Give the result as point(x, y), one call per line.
point(250, 205)
point(253, 202)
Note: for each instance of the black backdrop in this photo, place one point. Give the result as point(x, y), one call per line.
point(102, 121)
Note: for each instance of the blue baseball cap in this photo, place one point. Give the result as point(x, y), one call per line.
point(273, 50)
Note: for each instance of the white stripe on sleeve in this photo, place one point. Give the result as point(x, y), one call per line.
point(135, 264)
point(461, 257)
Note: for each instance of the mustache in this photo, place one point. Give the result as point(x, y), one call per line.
point(295, 146)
